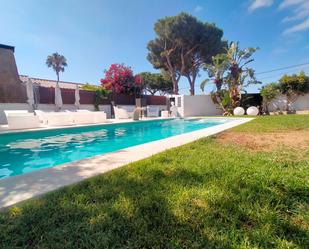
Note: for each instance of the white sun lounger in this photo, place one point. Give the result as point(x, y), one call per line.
point(55, 118)
point(94, 117)
point(21, 119)
point(153, 111)
point(82, 117)
point(100, 117)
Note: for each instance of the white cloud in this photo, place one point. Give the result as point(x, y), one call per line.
point(288, 3)
point(298, 27)
point(279, 51)
point(300, 9)
point(257, 4)
point(198, 8)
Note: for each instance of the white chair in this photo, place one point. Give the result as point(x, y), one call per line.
point(153, 111)
point(164, 114)
point(21, 120)
point(128, 108)
point(120, 113)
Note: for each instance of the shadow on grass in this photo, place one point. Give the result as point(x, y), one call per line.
point(171, 206)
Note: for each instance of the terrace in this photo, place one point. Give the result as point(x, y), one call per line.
point(135, 162)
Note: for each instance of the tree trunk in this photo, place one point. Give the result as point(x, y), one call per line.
point(266, 108)
point(290, 100)
point(192, 90)
point(172, 72)
point(175, 85)
point(234, 95)
point(192, 82)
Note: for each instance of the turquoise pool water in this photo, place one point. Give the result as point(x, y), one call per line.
point(24, 152)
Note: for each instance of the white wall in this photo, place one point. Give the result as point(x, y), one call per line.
point(197, 105)
point(47, 107)
point(301, 104)
point(202, 105)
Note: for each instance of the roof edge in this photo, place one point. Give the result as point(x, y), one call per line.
point(7, 47)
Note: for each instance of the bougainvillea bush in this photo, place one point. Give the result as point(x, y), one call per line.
point(120, 79)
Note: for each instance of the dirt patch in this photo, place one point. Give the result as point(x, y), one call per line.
point(298, 140)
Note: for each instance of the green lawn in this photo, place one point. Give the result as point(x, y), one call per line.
point(279, 123)
point(201, 195)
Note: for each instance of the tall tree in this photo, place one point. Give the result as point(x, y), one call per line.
point(57, 62)
point(183, 44)
point(156, 82)
point(162, 55)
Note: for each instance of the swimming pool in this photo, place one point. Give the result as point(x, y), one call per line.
point(25, 152)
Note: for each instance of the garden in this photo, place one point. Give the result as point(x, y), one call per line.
point(246, 187)
point(213, 193)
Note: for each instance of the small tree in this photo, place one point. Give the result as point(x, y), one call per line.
point(293, 86)
point(120, 79)
point(156, 82)
point(269, 93)
point(57, 62)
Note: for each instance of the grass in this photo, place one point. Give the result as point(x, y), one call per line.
point(279, 123)
point(201, 195)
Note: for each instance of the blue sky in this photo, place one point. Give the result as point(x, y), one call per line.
point(93, 34)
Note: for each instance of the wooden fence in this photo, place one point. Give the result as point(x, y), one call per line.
point(47, 96)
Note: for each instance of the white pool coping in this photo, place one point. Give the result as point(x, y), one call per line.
point(22, 187)
point(5, 130)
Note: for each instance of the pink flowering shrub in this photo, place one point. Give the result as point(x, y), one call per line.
point(120, 79)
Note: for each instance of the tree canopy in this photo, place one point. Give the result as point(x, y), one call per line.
point(182, 45)
point(156, 83)
point(57, 62)
point(292, 86)
point(120, 79)
point(89, 87)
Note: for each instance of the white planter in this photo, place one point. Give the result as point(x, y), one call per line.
point(239, 111)
point(252, 111)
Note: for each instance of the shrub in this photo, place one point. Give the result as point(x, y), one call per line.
point(120, 79)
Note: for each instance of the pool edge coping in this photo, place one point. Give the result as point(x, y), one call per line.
point(19, 188)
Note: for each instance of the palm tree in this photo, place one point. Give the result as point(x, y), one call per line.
point(216, 72)
point(239, 75)
point(57, 62)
